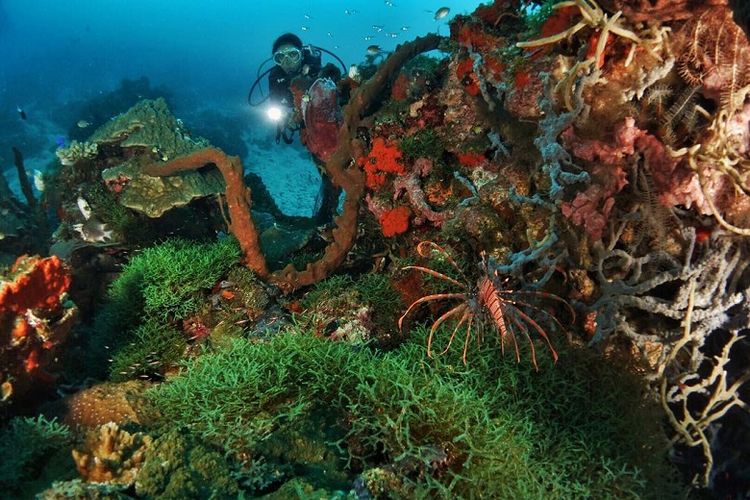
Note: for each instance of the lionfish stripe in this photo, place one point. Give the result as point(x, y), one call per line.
point(491, 300)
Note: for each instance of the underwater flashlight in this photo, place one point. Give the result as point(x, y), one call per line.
point(275, 113)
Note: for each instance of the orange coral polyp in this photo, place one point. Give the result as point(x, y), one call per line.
point(39, 287)
point(395, 221)
point(471, 159)
point(21, 329)
point(465, 73)
point(383, 158)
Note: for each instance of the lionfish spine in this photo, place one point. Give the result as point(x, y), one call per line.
point(489, 298)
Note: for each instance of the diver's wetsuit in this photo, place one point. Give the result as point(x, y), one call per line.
point(279, 87)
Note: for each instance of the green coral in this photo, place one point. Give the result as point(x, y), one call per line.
point(77, 489)
point(26, 444)
point(150, 125)
point(251, 291)
point(153, 347)
point(151, 131)
point(340, 300)
point(177, 467)
point(158, 288)
point(578, 429)
point(176, 273)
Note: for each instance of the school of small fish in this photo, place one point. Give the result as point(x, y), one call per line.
point(378, 29)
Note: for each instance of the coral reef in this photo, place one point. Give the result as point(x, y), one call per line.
point(151, 130)
point(414, 421)
point(23, 226)
point(571, 181)
point(178, 467)
point(350, 180)
point(77, 151)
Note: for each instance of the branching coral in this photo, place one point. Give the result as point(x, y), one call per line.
point(678, 333)
point(554, 156)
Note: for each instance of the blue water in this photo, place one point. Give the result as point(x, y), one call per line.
point(54, 55)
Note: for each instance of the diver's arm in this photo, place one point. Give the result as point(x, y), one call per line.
point(278, 88)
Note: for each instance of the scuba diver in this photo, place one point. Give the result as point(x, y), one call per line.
point(296, 66)
point(303, 97)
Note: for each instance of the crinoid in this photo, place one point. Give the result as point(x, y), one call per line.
point(714, 53)
point(677, 117)
point(594, 17)
point(508, 311)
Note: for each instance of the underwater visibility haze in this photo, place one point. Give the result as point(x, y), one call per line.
point(374, 249)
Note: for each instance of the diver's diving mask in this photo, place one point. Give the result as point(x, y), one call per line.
point(289, 56)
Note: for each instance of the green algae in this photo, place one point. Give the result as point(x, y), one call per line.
point(177, 467)
point(159, 288)
point(579, 429)
point(27, 445)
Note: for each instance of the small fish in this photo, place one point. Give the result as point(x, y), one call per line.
point(441, 13)
point(304, 28)
point(93, 231)
point(368, 38)
point(38, 180)
point(83, 124)
point(330, 35)
point(307, 16)
point(388, 3)
point(6, 391)
point(377, 28)
point(84, 207)
point(392, 35)
point(374, 50)
point(350, 12)
point(404, 28)
point(21, 112)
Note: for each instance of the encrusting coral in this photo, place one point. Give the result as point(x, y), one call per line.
point(77, 151)
point(34, 319)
